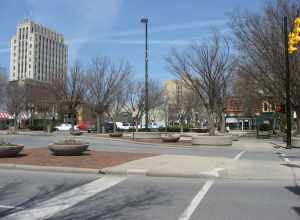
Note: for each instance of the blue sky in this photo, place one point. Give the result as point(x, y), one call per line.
point(112, 27)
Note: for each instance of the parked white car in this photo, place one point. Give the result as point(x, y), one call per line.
point(65, 127)
point(123, 125)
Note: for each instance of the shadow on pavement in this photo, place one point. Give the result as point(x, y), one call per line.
point(296, 191)
point(297, 210)
point(117, 208)
point(11, 192)
point(291, 165)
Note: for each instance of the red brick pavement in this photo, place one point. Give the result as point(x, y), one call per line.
point(90, 159)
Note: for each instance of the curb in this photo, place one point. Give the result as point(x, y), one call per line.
point(50, 168)
point(130, 172)
point(156, 174)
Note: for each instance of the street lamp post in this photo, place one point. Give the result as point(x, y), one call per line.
point(145, 21)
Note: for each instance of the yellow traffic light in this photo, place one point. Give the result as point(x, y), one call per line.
point(297, 22)
point(292, 43)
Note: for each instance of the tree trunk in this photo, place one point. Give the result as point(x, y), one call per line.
point(222, 122)
point(16, 121)
point(114, 126)
point(298, 121)
point(211, 125)
point(98, 125)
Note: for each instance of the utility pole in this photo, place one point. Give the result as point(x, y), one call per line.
point(287, 86)
point(145, 21)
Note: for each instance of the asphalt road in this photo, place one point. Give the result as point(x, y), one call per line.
point(45, 195)
point(34, 195)
point(96, 143)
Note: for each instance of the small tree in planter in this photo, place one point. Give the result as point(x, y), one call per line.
point(9, 150)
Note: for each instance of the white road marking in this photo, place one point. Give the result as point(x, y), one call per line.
point(137, 172)
point(238, 156)
point(9, 207)
point(214, 172)
point(67, 199)
point(186, 215)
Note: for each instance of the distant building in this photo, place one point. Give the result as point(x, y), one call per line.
point(37, 53)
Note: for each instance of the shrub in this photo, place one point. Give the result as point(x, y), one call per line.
point(5, 143)
point(116, 135)
point(69, 142)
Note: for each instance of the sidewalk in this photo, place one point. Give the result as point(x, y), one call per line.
point(172, 166)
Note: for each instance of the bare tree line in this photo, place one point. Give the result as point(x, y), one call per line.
point(108, 88)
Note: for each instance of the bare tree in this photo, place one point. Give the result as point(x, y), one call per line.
point(259, 37)
point(205, 69)
point(71, 92)
point(118, 104)
point(3, 83)
point(16, 100)
point(136, 98)
point(105, 80)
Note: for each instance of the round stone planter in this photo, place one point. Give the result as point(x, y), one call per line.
point(147, 135)
point(68, 149)
point(76, 133)
point(212, 140)
point(10, 151)
point(235, 137)
point(170, 138)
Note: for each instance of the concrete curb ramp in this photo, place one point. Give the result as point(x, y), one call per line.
point(212, 140)
point(171, 166)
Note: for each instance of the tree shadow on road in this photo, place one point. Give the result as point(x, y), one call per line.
point(291, 165)
point(296, 190)
point(117, 208)
point(43, 193)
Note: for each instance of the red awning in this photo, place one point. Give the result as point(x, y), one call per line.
point(4, 115)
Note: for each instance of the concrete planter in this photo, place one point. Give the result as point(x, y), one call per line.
point(10, 151)
point(296, 142)
point(116, 135)
point(264, 134)
point(235, 137)
point(68, 149)
point(147, 135)
point(76, 133)
point(170, 138)
point(212, 140)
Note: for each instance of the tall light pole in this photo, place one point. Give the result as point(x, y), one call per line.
point(145, 21)
point(287, 86)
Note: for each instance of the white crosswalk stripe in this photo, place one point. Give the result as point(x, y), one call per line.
point(67, 199)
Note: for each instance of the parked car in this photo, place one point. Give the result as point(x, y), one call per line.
point(109, 127)
point(123, 125)
point(152, 125)
point(65, 127)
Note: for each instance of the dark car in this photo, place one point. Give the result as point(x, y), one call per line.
point(109, 127)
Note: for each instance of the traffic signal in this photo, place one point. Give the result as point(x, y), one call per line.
point(294, 37)
point(292, 43)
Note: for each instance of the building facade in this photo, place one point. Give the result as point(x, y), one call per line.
point(37, 53)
